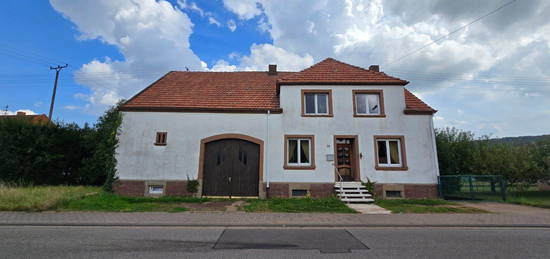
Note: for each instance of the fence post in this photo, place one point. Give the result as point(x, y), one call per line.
point(439, 187)
point(471, 187)
point(502, 189)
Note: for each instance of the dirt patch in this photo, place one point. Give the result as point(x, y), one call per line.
point(505, 208)
point(212, 206)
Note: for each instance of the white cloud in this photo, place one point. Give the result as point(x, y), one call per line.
point(492, 59)
point(71, 107)
point(222, 65)
point(213, 20)
point(153, 37)
point(182, 4)
point(26, 111)
point(246, 9)
point(231, 25)
point(264, 54)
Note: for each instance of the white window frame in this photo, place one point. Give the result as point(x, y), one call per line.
point(367, 104)
point(315, 94)
point(151, 189)
point(399, 152)
point(298, 149)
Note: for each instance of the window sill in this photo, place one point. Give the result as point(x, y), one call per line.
point(390, 168)
point(297, 167)
point(159, 144)
point(317, 115)
point(369, 116)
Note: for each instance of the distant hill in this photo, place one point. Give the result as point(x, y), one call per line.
point(521, 140)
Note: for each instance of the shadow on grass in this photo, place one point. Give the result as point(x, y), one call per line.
point(425, 206)
point(299, 205)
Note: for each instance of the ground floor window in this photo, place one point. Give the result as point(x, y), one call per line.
point(390, 153)
point(299, 152)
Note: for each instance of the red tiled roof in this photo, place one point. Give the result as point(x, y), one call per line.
point(36, 118)
point(413, 105)
point(229, 91)
point(331, 71)
point(251, 91)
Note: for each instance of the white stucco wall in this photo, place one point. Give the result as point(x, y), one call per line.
point(139, 159)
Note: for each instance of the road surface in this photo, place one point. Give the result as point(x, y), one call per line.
point(218, 242)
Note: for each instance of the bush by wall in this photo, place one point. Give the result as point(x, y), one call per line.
point(58, 153)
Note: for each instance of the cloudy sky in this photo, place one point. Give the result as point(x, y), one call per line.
point(488, 75)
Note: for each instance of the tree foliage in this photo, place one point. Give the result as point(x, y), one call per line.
point(460, 152)
point(58, 153)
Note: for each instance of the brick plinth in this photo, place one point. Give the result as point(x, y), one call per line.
point(409, 191)
point(129, 188)
point(319, 190)
point(176, 188)
point(284, 190)
point(278, 190)
point(417, 191)
point(139, 188)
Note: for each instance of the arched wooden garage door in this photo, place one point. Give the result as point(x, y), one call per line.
point(231, 168)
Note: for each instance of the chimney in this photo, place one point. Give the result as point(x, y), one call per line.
point(21, 113)
point(272, 70)
point(375, 68)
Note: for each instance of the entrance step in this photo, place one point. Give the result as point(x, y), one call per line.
point(352, 192)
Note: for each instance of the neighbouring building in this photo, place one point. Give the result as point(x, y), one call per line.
point(34, 118)
point(278, 134)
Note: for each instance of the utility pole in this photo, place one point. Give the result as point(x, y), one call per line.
point(57, 69)
point(6, 110)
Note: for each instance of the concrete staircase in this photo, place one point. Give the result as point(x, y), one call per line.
point(352, 192)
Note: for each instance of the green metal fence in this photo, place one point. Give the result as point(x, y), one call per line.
point(479, 187)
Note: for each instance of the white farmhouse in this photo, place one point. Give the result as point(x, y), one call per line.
point(278, 134)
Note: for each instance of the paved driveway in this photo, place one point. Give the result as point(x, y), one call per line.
point(506, 208)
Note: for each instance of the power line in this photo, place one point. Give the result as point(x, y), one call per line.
point(452, 32)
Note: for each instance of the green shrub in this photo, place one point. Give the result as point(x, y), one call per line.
point(192, 186)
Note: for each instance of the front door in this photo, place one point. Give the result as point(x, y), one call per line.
point(345, 159)
point(231, 168)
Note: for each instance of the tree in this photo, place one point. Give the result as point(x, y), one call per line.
point(105, 140)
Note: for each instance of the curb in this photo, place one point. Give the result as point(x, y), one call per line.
point(279, 225)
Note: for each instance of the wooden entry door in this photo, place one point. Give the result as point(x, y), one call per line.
point(345, 159)
point(231, 168)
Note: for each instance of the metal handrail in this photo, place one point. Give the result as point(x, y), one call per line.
point(341, 181)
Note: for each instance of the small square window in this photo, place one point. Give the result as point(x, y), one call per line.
point(156, 189)
point(393, 194)
point(160, 139)
point(299, 193)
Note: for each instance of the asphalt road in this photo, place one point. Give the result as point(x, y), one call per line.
point(186, 242)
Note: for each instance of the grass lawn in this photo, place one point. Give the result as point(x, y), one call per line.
point(84, 198)
point(40, 198)
point(424, 206)
point(330, 205)
point(113, 202)
point(531, 198)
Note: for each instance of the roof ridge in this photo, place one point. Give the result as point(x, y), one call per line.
point(255, 71)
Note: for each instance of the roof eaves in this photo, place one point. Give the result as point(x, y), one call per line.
point(199, 109)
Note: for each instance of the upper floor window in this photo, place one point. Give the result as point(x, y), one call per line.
point(368, 103)
point(390, 153)
point(160, 139)
point(299, 152)
point(316, 103)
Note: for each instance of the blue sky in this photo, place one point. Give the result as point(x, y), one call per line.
point(36, 36)
point(491, 77)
